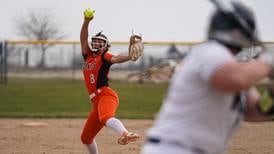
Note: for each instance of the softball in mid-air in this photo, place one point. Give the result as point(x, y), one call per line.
point(89, 13)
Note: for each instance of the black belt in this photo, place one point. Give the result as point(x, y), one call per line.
point(196, 150)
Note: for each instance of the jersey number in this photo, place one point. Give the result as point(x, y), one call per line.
point(92, 78)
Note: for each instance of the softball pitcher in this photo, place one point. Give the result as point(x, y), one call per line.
point(105, 100)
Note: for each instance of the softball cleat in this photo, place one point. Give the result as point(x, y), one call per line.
point(129, 137)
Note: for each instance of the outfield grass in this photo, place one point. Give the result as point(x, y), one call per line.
point(61, 98)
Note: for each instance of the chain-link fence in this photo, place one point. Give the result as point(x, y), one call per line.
point(63, 59)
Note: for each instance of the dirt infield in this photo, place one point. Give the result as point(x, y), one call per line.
point(61, 136)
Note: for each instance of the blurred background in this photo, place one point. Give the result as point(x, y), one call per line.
point(41, 61)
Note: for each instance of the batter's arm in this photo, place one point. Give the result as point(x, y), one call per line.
point(234, 76)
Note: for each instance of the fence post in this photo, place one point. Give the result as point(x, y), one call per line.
point(3, 62)
point(6, 61)
point(73, 62)
point(142, 63)
point(26, 58)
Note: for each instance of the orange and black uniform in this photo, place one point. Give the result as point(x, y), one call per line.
point(105, 100)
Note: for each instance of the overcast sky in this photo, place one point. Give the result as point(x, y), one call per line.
point(156, 20)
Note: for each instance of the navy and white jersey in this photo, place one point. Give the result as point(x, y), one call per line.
point(193, 112)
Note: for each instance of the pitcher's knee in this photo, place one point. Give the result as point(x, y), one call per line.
point(86, 140)
point(104, 118)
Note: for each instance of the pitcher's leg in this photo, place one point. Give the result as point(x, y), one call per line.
point(107, 108)
point(92, 148)
point(91, 128)
point(116, 125)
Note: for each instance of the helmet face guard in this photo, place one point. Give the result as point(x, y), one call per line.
point(235, 27)
point(99, 43)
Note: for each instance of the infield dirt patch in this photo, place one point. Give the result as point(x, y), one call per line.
point(62, 136)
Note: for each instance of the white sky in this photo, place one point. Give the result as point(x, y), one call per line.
point(156, 20)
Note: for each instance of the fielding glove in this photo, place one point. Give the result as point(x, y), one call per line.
point(136, 47)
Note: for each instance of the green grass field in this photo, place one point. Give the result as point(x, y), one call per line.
point(61, 98)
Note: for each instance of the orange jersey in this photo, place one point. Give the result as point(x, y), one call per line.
point(95, 70)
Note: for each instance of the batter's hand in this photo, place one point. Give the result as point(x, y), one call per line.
point(89, 14)
point(266, 104)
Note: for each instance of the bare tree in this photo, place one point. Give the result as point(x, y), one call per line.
point(39, 25)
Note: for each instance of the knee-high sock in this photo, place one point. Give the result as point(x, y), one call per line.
point(92, 148)
point(116, 125)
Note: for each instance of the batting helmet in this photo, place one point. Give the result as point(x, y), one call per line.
point(99, 42)
point(235, 28)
